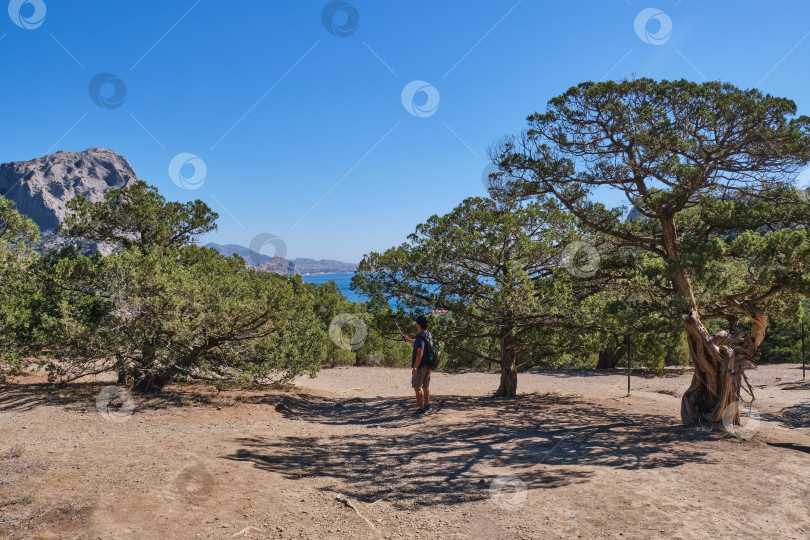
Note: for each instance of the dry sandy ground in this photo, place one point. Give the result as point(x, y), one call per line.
point(340, 456)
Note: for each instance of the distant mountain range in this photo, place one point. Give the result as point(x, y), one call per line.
point(41, 187)
point(279, 265)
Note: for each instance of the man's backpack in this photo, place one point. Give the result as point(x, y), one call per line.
point(432, 352)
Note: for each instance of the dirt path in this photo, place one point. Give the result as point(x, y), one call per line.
point(341, 457)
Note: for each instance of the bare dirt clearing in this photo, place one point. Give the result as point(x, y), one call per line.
point(340, 456)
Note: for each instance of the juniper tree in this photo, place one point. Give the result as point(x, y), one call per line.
point(161, 309)
point(497, 267)
point(708, 167)
point(16, 287)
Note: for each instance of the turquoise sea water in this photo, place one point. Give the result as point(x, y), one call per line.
point(341, 280)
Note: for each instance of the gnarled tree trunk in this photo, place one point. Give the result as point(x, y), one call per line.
point(719, 368)
point(719, 371)
point(150, 381)
point(508, 386)
point(716, 381)
point(759, 323)
point(610, 356)
point(154, 381)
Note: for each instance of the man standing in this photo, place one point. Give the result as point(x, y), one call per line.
point(420, 374)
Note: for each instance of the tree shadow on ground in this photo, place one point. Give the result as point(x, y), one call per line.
point(82, 395)
point(21, 398)
point(452, 455)
point(790, 446)
point(796, 416)
point(637, 372)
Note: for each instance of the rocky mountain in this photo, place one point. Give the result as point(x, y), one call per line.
point(41, 187)
point(280, 265)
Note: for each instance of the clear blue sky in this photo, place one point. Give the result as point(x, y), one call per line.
point(332, 110)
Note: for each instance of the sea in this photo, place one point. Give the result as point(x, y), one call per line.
point(343, 281)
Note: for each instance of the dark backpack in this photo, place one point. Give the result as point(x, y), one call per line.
point(432, 352)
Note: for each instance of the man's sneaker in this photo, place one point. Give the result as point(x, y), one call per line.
point(427, 407)
point(419, 412)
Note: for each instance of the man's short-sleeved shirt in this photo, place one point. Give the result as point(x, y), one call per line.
point(419, 343)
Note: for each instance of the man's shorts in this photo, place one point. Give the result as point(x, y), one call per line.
point(421, 379)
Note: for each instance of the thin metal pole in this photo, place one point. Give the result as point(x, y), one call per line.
point(628, 365)
point(803, 357)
